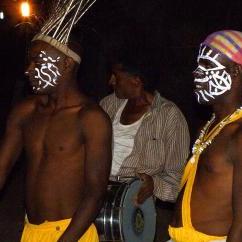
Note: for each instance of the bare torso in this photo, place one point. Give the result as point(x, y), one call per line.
point(55, 158)
point(211, 201)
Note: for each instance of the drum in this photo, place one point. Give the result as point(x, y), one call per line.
point(120, 220)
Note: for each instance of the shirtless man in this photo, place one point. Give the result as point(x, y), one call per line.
point(67, 140)
point(209, 207)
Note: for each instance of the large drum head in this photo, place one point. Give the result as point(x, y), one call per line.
point(138, 223)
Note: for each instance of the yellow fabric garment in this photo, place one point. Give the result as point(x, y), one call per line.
point(51, 232)
point(187, 232)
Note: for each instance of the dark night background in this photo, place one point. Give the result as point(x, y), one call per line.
point(166, 32)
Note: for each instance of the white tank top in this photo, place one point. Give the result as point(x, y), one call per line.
point(123, 139)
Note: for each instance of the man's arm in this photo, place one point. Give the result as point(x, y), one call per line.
point(177, 142)
point(235, 233)
point(166, 183)
point(98, 135)
point(11, 143)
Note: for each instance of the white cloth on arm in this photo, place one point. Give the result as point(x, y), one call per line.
point(123, 139)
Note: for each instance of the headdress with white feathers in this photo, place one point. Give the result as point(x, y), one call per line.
point(56, 30)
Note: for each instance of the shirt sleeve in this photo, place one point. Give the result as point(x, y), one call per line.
point(177, 141)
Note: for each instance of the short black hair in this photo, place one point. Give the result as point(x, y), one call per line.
point(141, 65)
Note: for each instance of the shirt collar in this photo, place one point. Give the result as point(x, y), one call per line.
point(157, 101)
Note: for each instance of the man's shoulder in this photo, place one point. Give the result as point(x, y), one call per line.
point(234, 141)
point(94, 122)
point(108, 98)
point(237, 134)
point(167, 111)
point(168, 107)
point(93, 113)
point(110, 104)
point(110, 101)
point(24, 108)
point(28, 102)
point(161, 102)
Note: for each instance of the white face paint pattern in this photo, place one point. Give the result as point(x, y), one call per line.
point(48, 72)
point(218, 79)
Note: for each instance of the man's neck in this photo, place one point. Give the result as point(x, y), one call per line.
point(64, 97)
point(143, 99)
point(224, 109)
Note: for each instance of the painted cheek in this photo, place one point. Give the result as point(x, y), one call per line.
point(220, 83)
point(47, 73)
point(198, 97)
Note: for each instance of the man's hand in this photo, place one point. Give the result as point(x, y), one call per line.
point(64, 238)
point(146, 189)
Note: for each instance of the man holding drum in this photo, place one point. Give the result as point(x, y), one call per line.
point(150, 137)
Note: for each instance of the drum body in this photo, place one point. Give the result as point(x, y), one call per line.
point(120, 220)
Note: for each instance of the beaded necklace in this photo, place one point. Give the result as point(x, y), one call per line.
point(205, 138)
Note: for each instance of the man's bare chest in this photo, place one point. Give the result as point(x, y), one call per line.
point(52, 132)
point(216, 158)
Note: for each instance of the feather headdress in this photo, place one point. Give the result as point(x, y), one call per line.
point(56, 30)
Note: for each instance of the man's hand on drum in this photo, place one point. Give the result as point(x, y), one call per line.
point(146, 189)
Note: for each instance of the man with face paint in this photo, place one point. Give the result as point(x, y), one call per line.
point(209, 207)
point(67, 141)
point(150, 136)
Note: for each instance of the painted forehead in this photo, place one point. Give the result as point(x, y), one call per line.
point(212, 56)
point(38, 48)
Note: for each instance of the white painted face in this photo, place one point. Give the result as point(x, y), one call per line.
point(211, 79)
point(46, 72)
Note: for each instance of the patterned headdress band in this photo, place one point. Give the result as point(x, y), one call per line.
point(56, 30)
point(228, 43)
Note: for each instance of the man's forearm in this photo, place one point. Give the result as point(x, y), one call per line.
point(6, 164)
point(235, 233)
point(84, 216)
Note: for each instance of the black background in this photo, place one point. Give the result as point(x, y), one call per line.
point(168, 31)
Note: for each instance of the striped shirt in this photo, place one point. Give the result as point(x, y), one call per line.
point(161, 145)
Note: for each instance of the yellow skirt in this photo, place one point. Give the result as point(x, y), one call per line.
point(51, 232)
point(183, 234)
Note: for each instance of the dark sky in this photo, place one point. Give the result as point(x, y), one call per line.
point(168, 31)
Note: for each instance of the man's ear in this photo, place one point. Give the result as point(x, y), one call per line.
point(137, 81)
point(239, 69)
point(236, 70)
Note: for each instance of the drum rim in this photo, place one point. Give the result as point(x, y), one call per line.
point(115, 205)
point(122, 191)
